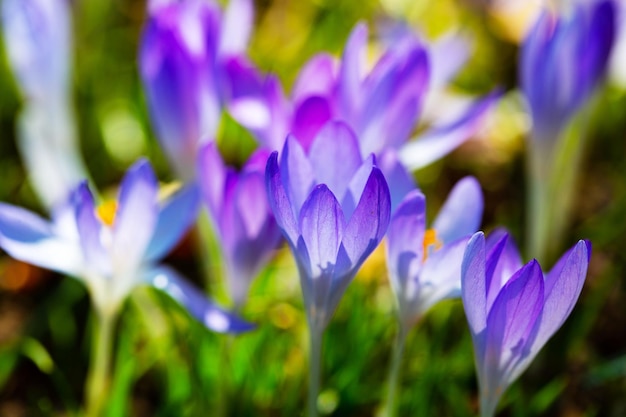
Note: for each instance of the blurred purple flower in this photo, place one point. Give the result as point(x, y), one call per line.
point(185, 52)
point(38, 40)
point(383, 106)
point(513, 310)
point(425, 265)
point(114, 249)
point(333, 207)
point(241, 214)
point(563, 59)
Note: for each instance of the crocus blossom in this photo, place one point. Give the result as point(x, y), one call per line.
point(114, 247)
point(37, 36)
point(513, 310)
point(383, 106)
point(185, 49)
point(425, 265)
point(563, 59)
point(333, 207)
point(238, 205)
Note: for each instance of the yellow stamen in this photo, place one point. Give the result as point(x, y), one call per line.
point(106, 212)
point(431, 242)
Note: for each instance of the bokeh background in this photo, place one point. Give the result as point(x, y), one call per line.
point(166, 364)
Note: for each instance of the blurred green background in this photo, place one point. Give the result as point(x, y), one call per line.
point(166, 364)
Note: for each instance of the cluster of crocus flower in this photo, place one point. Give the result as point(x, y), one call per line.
point(330, 176)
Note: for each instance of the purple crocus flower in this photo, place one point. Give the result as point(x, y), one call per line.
point(563, 59)
point(241, 214)
point(425, 265)
point(185, 47)
point(114, 249)
point(333, 207)
point(38, 40)
point(513, 310)
point(383, 106)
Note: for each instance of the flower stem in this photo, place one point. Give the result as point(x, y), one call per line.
point(315, 359)
point(394, 372)
point(99, 378)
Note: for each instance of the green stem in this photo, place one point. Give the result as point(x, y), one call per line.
point(99, 374)
point(315, 359)
point(394, 372)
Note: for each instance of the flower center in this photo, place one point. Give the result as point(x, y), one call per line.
point(106, 212)
point(431, 242)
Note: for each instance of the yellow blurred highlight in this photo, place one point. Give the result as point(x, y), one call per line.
point(513, 22)
point(375, 266)
point(106, 212)
point(283, 316)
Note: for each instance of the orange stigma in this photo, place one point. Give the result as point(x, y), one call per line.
point(431, 242)
point(106, 212)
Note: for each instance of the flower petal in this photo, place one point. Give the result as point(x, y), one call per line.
point(136, 217)
point(563, 285)
point(91, 231)
point(512, 325)
point(29, 238)
point(473, 289)
point(296, 173)
point(279, 201)
point(368, 224)
point(462, 212)
point(405, 248)
point(335, 157)
point(351, 73)
point(441, 140)
point(212, 177)
point(398, 178)
point(209, 314)
point(175, 217)
point(316, 78)
point(309, 117)
point(237, 25)
point(322, 225)
point(441, 274)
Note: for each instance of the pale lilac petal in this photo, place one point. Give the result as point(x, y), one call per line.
point(399, 180)
point(137, 215)
point(322, 226)
point(296, 173)
point(335, 157)
point(237, 25)
point(309, 117)
point(405, 249)
point(29, 238)
point(38, 41)
point(562, 288)
point(441, 140)
point(447, 56)
point(473, 289)
point(369, 222)
point(176, 215)
point(93, 233)
point(351, 73)
point(209, 314)
point(316, 78)
point(462, 212)
point(356, 187)
point(279, 201)
point(212, 177)
point(441, 274)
